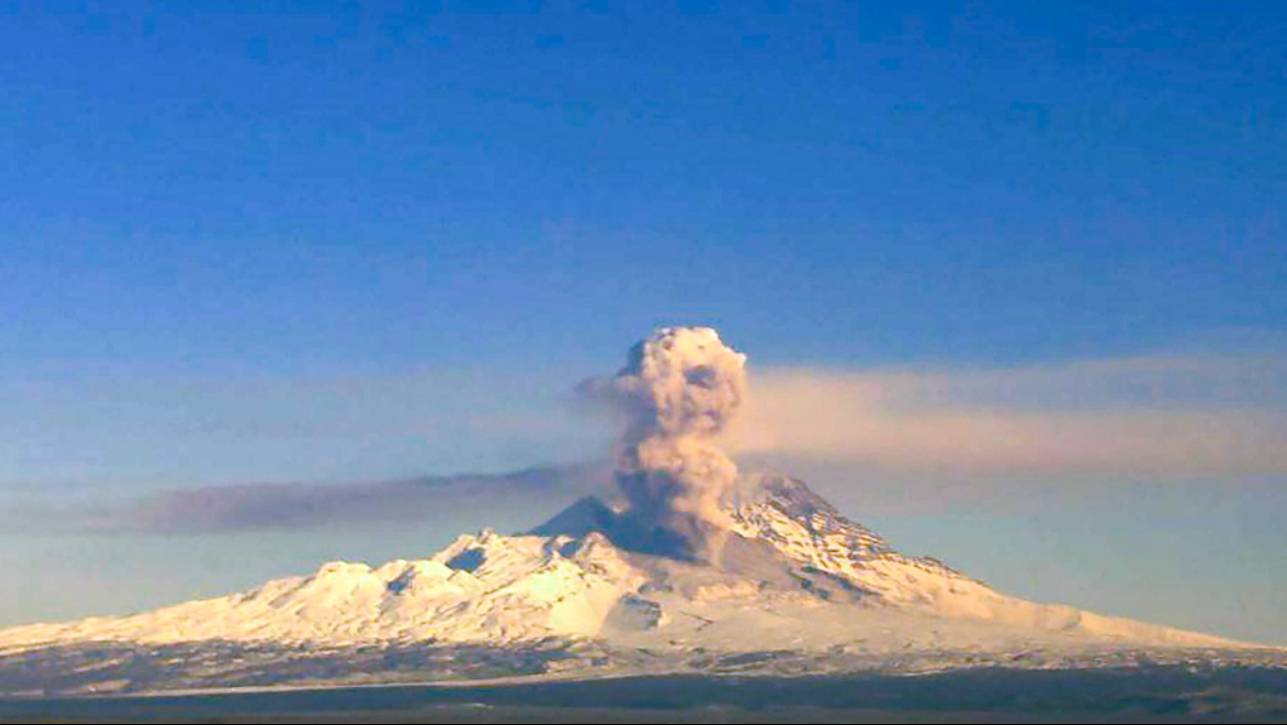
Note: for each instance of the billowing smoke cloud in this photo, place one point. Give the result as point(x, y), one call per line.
point(678, 391)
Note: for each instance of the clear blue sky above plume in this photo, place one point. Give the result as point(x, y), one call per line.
point(303, 241)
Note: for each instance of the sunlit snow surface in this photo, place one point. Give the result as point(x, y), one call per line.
point(795, 589)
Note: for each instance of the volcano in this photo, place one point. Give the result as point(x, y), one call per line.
point(696, 567)
point(798, 588)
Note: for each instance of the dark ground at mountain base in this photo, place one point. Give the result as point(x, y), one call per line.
point(1162, 694)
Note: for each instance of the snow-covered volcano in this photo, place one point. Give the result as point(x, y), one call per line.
point(792, 575)
point(695, 566)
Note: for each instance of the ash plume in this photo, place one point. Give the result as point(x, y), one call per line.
point(678, 391)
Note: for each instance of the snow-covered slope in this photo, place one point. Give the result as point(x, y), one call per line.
point(809, 531)
point(486, 587)
point(792, 573)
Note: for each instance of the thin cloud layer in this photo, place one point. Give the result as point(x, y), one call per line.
point(929, 435)
point(1168, 416)
point(214, 509)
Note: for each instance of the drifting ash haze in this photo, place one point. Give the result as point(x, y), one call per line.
point(698, 569)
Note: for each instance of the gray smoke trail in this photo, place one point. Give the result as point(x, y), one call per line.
point(678, 390)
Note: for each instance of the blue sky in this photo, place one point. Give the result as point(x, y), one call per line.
point(376, 240)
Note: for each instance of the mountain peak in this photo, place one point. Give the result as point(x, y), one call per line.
point(587, 514)
point(777, 515)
